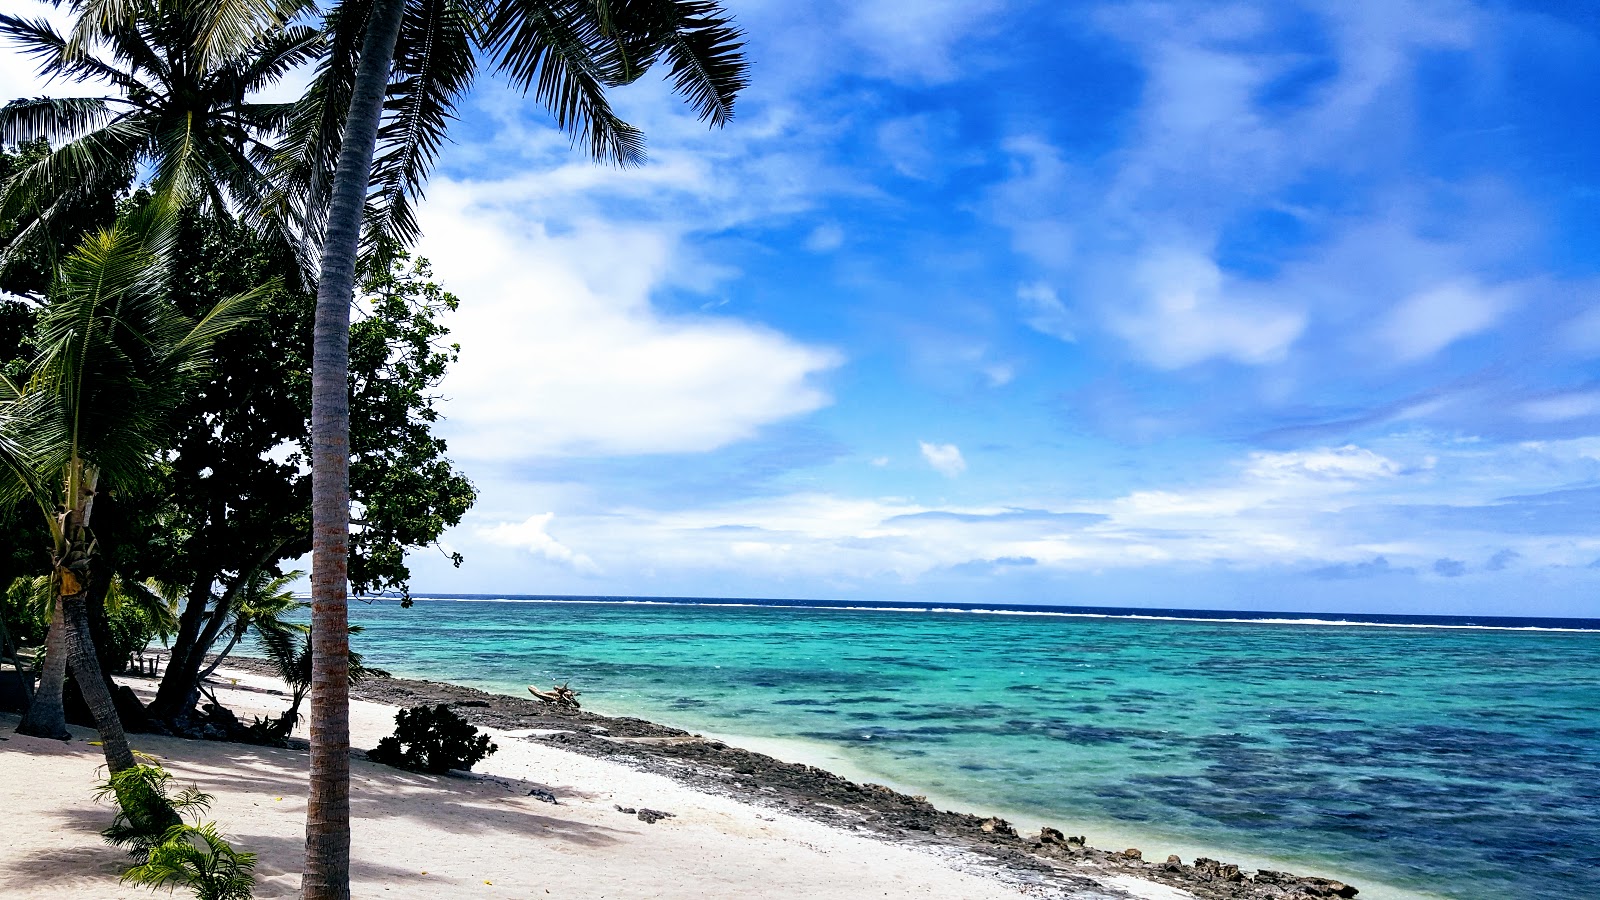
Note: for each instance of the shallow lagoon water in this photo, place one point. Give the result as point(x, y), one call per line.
point(1456, 762)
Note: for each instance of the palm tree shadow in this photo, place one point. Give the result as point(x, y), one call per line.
point(70, 864)
point(457, 803)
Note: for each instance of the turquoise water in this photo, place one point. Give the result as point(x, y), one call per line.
point(1456, 762)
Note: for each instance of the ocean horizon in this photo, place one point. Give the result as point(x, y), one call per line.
point(1415, 756)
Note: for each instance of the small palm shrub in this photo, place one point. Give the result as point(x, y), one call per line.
point(197, 857)
point(167, 851)
point(432, 739)
point(145, 809)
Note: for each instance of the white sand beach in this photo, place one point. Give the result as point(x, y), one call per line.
point(480, 835)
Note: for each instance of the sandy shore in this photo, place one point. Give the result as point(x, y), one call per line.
point(743, 825)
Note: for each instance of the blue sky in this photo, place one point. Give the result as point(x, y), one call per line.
point(1270, 305)
point(1280, 305)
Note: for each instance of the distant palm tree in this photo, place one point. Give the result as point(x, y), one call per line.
point(262, 602)
point(359, 148)
point(115, 358)
point(180, 78)
point(289, 651)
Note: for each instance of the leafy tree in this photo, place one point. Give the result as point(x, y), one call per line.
point(360, 146)
point(238, 490)
point(115, 359)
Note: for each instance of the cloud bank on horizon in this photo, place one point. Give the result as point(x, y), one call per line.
point(1148, 302)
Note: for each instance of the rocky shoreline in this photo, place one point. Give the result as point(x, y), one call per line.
point(1048, 859)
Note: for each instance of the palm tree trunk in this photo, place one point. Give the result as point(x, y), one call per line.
point(327, 870)
point(46, 717)
point(92, 683)
point(233, 641)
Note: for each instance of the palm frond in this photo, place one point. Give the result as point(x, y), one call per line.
point(188, 356)
point(99, 161)
point(703, 48)
point(553, 48)
point(99, 19)
point(433, 68)
point(38, 39)
point(304, 168)
point(231, 28)
point(55, 119)
point(274, 55)
point(706, 54)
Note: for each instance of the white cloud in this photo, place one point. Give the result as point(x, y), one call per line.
point(1562, 407)
point(532, 536)
point(824, 238)
point(944, 458)
point(1347, 462)
point(1290, 511)
point(923, 146)
point(562, 351)
point(1428, 321)
point(1000, 374)
point(917, 41)
point(1182, 316)
point(1044, 312)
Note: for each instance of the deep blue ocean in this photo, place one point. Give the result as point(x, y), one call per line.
point(1413, 756)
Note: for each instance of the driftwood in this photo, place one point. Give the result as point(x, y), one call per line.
point(560, 695)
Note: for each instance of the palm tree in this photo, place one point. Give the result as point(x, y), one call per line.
point(262, 602)
point(115, 359)
point(180, 79)
point(360, 145)
point(289, 651)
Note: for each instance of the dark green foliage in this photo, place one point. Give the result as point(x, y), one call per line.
point(406, 487)
point(29, 269)
point(432, 739)
point(146, 812)
point(167, 851)
point(239, 486)
point(197, 857)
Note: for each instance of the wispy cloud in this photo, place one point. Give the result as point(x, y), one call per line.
point(944, 458)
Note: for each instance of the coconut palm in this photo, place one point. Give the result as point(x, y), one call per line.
point(289, 651)
point(179, 101)
point(92, 416)
point(360, 146)
point(262, 602)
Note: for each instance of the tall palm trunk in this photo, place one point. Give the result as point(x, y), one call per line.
point(46, 716)
point(327, 871)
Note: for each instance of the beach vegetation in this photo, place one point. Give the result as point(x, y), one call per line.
point(114, 359)
point(146, 808)
point(289, 651)
point(432, 739)
point(238, 480)
point(198, 858)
